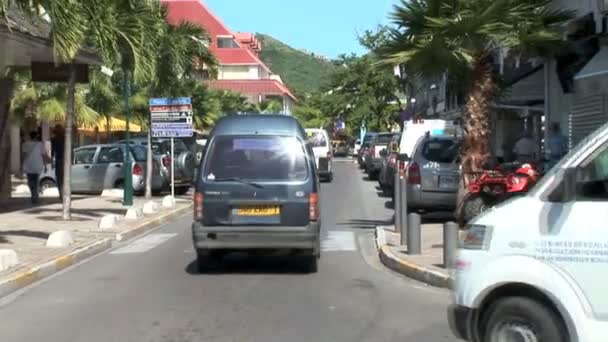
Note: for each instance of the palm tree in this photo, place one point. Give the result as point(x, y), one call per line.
point(123, 32)
point(462, 37)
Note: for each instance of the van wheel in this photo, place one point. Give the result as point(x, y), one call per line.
point(523, 319)
point(312, 264)
point(207, 260)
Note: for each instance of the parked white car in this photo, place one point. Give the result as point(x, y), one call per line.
point(533, 268)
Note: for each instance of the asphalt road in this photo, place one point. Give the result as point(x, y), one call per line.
point(149, 290)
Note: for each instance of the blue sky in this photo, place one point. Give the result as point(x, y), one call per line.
point(327, 27)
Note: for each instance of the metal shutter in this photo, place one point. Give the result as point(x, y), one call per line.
point(586, 115)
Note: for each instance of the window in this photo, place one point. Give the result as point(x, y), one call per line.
point(441, 151)
point(110, 155)
point(84, 155)
point(257, 158)
point(384, 139)
point(592, 177)
point(139, 153)
point(226, 43)
point(164, 147)
point(317, 139)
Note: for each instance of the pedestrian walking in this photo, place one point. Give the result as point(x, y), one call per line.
point(34, 163)
point(558, 145)
point(525, 148)
point(57, 153)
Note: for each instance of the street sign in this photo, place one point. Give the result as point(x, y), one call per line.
point(171, 118)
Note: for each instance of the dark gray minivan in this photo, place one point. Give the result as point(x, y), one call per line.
point(257, 189)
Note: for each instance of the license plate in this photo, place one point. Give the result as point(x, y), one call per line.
point(259, 211)
point(447, 182)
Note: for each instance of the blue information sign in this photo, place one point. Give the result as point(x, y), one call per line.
point(171, 117)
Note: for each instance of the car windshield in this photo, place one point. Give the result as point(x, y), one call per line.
point(441, 151)
point(256, 158)
point(317, 139)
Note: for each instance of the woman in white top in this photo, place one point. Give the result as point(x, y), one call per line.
point(34, 163)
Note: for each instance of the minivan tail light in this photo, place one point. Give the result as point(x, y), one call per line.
point(138, 170)
point(413, 174)
point(198, 206)
point(313, 206)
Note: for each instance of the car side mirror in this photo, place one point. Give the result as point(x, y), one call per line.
point(565, 191)
point(403, 157)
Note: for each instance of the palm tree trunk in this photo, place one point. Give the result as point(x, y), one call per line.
point(476, 145)
point(149, 165)
point(67, 159)
point(7, 85)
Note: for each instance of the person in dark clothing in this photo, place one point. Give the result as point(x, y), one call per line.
point(57, 153)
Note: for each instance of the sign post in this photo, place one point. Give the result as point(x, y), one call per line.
point(171, 118)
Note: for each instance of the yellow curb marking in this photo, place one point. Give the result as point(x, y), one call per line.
point(63, 262)
point(26, 278)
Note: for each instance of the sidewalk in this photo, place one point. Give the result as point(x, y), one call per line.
point(427, 267)
point(25, 231)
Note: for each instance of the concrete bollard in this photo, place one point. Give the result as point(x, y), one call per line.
point(134, 213)
point(61, 238)
point(414, 236)
point(403, 209)
point(8, 259)
point(150, 207)
point(397, 203)
point(450, 243)
point(168, 201)
point(108, 221)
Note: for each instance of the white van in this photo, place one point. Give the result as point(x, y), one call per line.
point(534, 267)
point(413, 130)
point(321, 147)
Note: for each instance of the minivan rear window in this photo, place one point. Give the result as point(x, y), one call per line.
point(441, 151)
point(257, 158)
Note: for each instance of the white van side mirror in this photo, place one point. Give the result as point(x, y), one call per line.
point(566, 189)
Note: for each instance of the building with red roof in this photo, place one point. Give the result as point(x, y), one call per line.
point(240, 68)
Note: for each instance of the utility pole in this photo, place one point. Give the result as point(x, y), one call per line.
point(128, 168)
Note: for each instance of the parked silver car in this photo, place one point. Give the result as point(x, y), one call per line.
point(99, 167)
point(433, 174)
point(185, 162)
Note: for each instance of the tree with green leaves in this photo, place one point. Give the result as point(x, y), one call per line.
point(462, 37)
point(124, 33)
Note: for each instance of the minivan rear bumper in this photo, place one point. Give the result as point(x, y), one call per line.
point(257, 237)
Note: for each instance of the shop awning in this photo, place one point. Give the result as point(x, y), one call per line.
point(593, 78)
point(115, 125)
point(597, 66)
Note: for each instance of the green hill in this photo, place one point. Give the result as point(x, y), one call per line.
point(301, 71)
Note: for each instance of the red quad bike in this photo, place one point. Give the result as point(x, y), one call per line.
point(495, 186)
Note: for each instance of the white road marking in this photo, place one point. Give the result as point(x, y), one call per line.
point(336, 241)
point(144, 244)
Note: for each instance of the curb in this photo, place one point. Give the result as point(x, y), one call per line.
point(145, 226)
point(408, 268)
point(36, 273)
point(39, 272)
